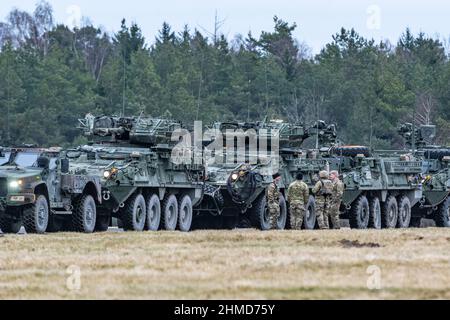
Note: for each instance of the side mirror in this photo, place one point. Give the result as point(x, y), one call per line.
point(65, 165)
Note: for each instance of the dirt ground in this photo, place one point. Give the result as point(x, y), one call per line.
point(241, 264)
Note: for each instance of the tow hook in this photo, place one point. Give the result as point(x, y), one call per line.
point(106, 195)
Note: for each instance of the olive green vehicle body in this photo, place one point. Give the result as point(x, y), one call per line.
point(394, 178)
point(29, 173)
point(236, 182)
point(133, 157)
point(436, 172)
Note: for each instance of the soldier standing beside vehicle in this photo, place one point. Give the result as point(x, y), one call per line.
point(273, 201)
point(298, 197)
point(323, 192)
point(336, 199)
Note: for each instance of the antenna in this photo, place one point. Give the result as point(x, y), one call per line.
point(124, 84)
point(414, 132)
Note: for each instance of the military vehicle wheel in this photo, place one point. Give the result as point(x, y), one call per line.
point(9, 226)
point(84, 216)
point(102, 223)
point(282, 219)
point(310, 220)
point(389, 213)
point(36, 216)
point(185, 214)
point(153, 213)
point(442, 215)
point(259, 214)
point(170, 213)
point(134, 214)
point(375, 213)
point(360, 214)
point(404, 213)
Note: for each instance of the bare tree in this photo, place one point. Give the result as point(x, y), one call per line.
point(43, 24)
point(425, 107)
point(21, 24)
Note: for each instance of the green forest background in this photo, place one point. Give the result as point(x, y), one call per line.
point(51, 75)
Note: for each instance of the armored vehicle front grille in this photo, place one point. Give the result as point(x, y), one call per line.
point(3, 187)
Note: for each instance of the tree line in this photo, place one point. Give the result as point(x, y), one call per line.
point(51, 75)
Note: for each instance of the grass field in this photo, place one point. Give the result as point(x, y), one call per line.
point(241, 264)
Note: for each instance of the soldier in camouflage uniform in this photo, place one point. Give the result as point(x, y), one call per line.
point(273, 201)
point(298, 197)
point(336, 199)
point(323, 191)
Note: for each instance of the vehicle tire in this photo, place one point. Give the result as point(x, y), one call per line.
point(36, 216)
point(185, 214)
point(310, 219)
point(416, 222)
point(360, 214)
point(375, 213)
point(84, 216)
point(169, 217)
point(389, 213)
point(9, 226)
point(259, 214)
point(404, 213)
point(102, 224)
point(153, 213)
point(351, 151)
point(442, 215)
point(282, 219)
point(134, 214)
point(55, 224)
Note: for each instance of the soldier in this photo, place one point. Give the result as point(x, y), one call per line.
point(336, 199)
point(298, 197)
point(323, 191)
point(273, 201)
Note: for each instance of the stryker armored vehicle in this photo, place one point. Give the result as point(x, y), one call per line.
point(37, 191)
point(141, 183)
point(436, 170)
point(379, 190)
point(238, 176)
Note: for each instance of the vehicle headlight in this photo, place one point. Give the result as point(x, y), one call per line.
point(107, 174)
point(234, 176)
point(15, 184)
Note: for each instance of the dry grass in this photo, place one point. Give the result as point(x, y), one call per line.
point(228, 265)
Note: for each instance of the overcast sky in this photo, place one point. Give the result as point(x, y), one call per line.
point(318, 20)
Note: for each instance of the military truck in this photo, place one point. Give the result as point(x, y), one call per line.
point(435, 203)
point(142, 184)
point(37, 191)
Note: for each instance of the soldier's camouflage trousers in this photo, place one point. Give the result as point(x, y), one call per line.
point(334, 214)
point(297, 211)
point(323, 212)
point(274, 214)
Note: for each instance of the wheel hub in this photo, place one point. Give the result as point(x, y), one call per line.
point(41, 215)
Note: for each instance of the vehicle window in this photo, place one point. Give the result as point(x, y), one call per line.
point(5, 158)
point(26, 159)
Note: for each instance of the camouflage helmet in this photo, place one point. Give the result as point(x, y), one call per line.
point(324, 175)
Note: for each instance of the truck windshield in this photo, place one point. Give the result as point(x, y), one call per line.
point(25, 159)
point(4, 158)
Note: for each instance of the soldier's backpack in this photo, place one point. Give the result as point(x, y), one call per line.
point(327, 188)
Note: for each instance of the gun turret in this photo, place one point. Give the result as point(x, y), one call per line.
point(142, 131)
point(417, 137)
